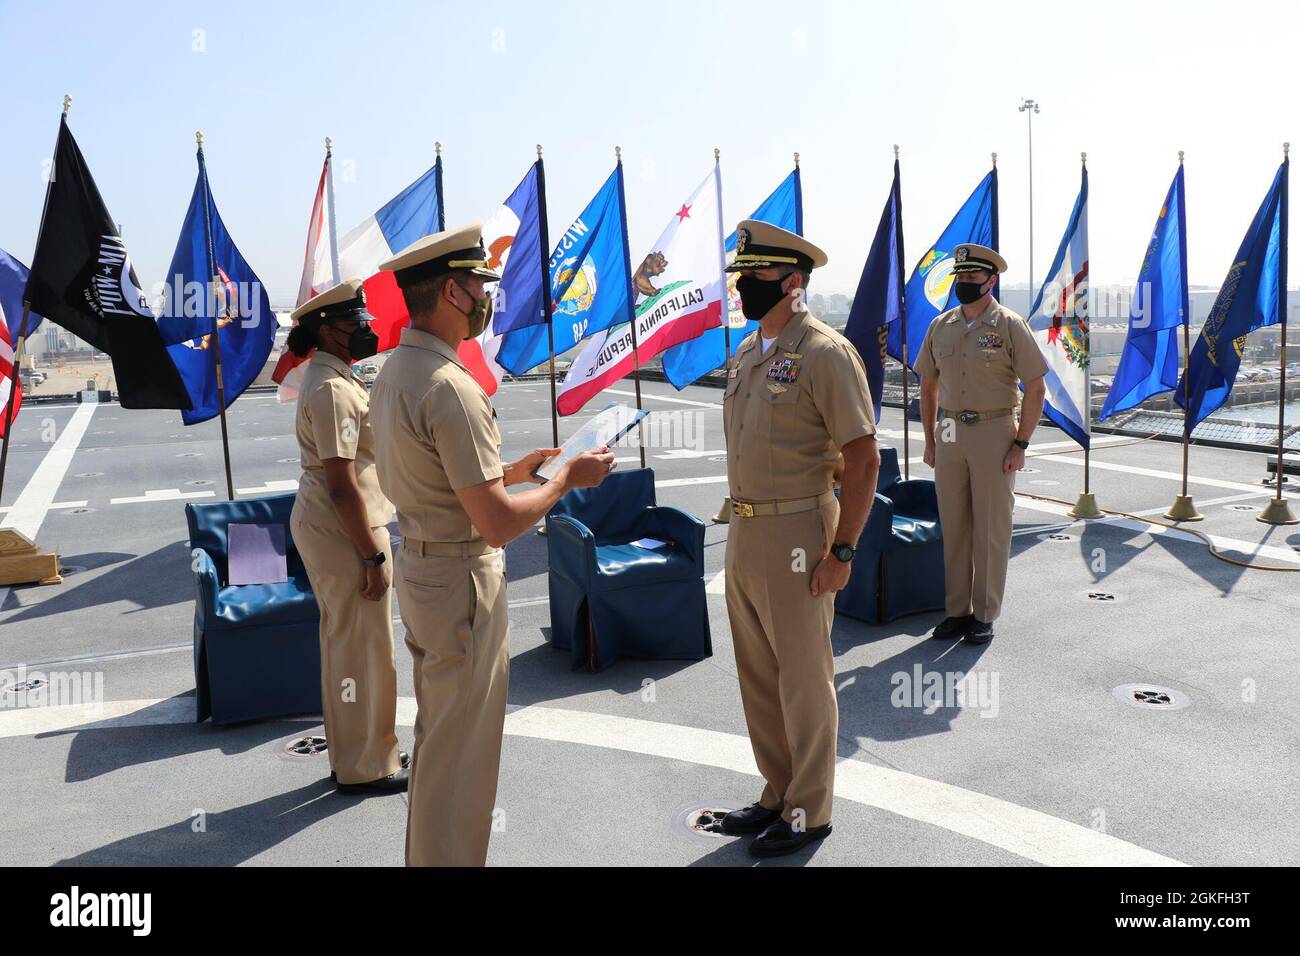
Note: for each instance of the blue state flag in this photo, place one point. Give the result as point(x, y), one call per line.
point(878, 303)
point(1149, 363)
point(518, 298)
point(685, 362)
point(588, 284)
point(211, 290)
point(1252, 296)
point(13, 284)
point(929, 290)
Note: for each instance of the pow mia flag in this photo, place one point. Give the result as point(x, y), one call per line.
point(82, 279)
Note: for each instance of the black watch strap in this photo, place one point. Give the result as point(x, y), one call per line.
point(376, 561)
point(843, 552)
point(1021, 442)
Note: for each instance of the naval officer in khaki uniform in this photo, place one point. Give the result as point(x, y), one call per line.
point(796, 399)
point(340, 525)
point(971, 363)
point(438, 454)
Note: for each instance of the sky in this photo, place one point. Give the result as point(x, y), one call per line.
point(1131, 83)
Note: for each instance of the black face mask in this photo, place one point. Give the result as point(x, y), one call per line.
point(362, 343)
point(758, 296)
point(968, 292)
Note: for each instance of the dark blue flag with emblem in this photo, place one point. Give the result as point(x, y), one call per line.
point(1253, 296)
point(82, 279)
point(878, 303)
point(929, 290)
point(212, 292)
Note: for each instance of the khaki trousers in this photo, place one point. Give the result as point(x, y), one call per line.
point(358, 679)
point(457, 625)
point(782, 636)
point(976, 499)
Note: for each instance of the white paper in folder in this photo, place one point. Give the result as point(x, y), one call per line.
point(605, 428)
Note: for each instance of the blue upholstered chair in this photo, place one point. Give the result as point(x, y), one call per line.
point(256, 647)
point(898, 569)
point(612, 598)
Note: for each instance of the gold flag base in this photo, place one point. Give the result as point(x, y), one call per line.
point(1183, 510)
point(724, 513)
point(1085, 507)
point(22, 563)
point(541, 529)
point(1278, 511)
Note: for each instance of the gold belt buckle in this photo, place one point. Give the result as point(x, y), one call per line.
point(742, 509)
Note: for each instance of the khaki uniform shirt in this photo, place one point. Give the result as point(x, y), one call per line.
point(788, 412)
point(435, 431)
point(979, 367)
point(334, 422)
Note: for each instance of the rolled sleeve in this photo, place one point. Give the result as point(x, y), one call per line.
point(1026, 357)
point(841, 393)
point(335, 413)
point(464, 431)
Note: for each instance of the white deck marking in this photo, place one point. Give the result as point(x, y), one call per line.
point(35, 500)
point(1155, 473)
point(665, 398)
point(54, 506)
point(270, 487)
point(717, 584)
point(162, 494)
point(1030, 834)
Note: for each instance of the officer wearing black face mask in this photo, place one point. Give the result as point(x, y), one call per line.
point(339, 524)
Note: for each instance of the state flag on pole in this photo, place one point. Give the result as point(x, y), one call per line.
point(1149, 363)
point(13, 282)
point(878, 303)
point(929, 290)
point(317, 265)
point(1059, 321)
point(680, 291)
point(82, 279)
point(685, 362)
point(232, 304)
point(517, 300)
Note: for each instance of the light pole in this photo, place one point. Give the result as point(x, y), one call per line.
point(1030, 107)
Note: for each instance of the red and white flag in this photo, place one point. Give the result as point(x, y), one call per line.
point(8, 378)
point(679, 290)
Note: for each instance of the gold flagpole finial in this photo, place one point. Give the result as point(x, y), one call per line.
point(618, 154)
point(329, 145)
point(198, 137)
point(995, 160)
point(539, 150)
point(717, 154)
point(67, 103)
point(796, 160)
point(1180, 157)
point(895, 151)
point(437, 149)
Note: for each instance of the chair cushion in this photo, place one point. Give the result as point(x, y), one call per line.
point(265, 604)
point(621, 565)
point(915, 530)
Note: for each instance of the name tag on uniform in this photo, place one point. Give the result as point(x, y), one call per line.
point(733, 372)
point(785, 370)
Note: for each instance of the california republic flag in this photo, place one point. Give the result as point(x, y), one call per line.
point(679, 291)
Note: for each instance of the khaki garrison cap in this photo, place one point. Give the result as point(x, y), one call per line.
point(346, 300)
point(441, 253)
point(761, 245)
point(972, 257)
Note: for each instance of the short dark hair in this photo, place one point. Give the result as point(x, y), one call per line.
point(423, 296)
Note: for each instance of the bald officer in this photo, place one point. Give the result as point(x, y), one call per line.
point(796, 399)
point(971, 363)
point(438, 454)
point(340, 526)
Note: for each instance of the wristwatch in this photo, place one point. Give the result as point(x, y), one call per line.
point(843, 552)
point(1022, 443)
point(376, 561)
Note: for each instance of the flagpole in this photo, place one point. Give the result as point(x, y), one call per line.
point(1086, 505)
point(631, 301)
point(437, 180)
point(907, 468)
point(1278, 510)
point(22, 328)
point(214, 338)
point(548, 307)
point(726, 310)
point(329, 204)
point(1183, 509)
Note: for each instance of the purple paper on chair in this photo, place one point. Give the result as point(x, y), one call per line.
point(256, 554)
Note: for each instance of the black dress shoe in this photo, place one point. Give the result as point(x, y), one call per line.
point(751, 819)
point(979, 633)
point(393, 783)
point(781, 838)
point(953, 628)
point(402, 755)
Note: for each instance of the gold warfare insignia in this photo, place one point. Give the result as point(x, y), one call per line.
point(785, 370)
point(742, 237)
point(793, 355)
point(776, 389)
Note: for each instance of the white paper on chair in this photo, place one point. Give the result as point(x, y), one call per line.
point(606, 427)
point(650, 544)
point(256, 554)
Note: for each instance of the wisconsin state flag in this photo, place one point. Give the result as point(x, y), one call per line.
point(82, 279)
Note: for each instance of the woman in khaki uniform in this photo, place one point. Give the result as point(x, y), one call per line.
point(340, 525)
